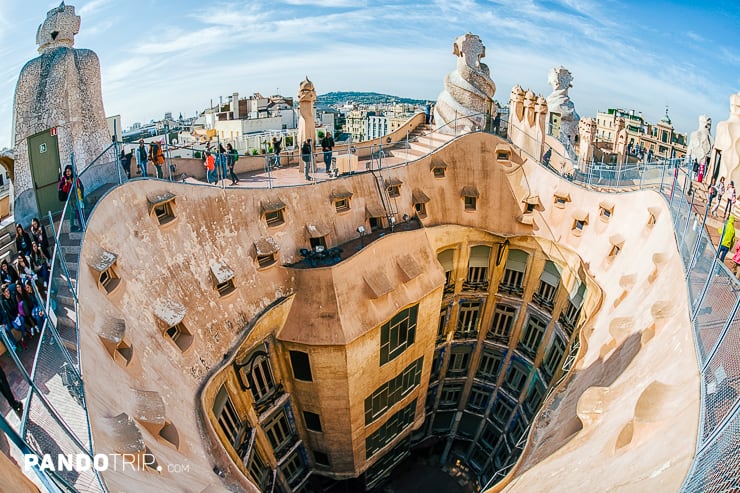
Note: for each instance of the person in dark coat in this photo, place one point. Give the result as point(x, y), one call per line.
point(38, 234)
point(22, 241)
point(8, 393)
point(306, 157)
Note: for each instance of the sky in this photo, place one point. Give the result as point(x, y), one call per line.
point(158, 56)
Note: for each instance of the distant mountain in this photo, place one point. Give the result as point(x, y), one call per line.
point(334, 98)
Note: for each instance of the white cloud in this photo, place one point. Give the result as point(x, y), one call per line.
point(92, 7)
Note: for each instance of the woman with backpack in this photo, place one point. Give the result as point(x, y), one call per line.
point(232, 155)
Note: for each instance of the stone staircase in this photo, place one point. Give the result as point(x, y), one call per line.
point(422, 140)
point(7, 238)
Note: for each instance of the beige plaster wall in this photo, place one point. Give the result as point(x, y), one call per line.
point(615, 380)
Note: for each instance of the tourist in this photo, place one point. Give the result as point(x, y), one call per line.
point(306, 157)
point(157, 157)
point(546, 157)
point(25, 309)
point(221, 164)
point(720, 195)
point(36, 313)
point(141, 158)
point(10, 306)
point(232, 155)
point(327, 144)
point(736, 259)
point(8, 273)
point(22, 240)
point(39, 264)
point(729, 198)
point(277, 145)
point(712, 194)
point(38, 234)
point(497, 124)
point(210, 165)
point(65, 186)
point(8, 394)
point(23, 268)
point(126, 161)
point(728, 238)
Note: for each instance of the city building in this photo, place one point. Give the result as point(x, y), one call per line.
point(660, 140)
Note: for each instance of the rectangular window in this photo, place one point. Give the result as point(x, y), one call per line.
point(450, 395)
point(260, 473)
point(467, 322)
point(477, 278)
point(459, 359)
point(516, 265)
point(225, 287)
point(261, 383)
point(532, 336)
point(341, 205)
point(164, 212)
point(534, 399)
point(301, 366)
point(279, 432)
point(478, 268)
point(109, 280)
point(545, 295)
point(439, 172)
point(313, 421)
point(391, 392)
point(479, 397)
point(397, 334)
point(442, 324)
point(394, 191)
point(180, 336)
point(390, 429)
point(321, 458)
point(489, 437)
point(449, 283)
point(470, 203)
point(512, 282)
point(517, 430)
point(265, 260)
point(554, 355)
point(515, 379)
point(569, 317)
point(293, 469)
point(274, 218)
point(503, 321)
point(490, 364)
point(375, 223)
point(227, 417)
point(501, 411)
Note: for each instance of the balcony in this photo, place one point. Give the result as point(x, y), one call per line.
point(511, 289)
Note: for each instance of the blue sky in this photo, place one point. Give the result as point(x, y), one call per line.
point(159, 56)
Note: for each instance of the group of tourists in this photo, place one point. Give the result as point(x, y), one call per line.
point(327, 147)
point(21, 315)
point(144, 156)
point(220, 163)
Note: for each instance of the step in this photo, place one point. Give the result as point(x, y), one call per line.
point(70, 238)
point(8, 247)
